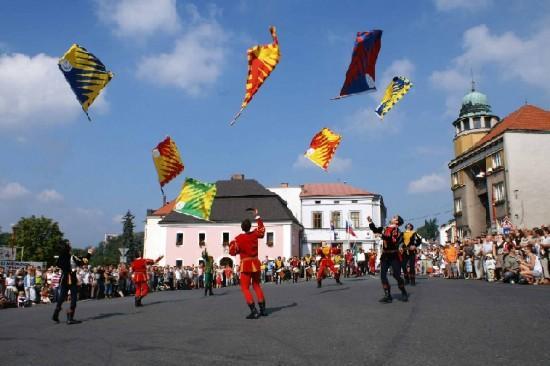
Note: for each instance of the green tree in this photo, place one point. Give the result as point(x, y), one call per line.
point(39, 238)
point(4, 238)
point(128, 239)
point(430, 230)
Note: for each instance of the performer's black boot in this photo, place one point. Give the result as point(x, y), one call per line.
point(136, 301)
point(71, 319)
point(337, 278)
point(262, 308)
point(55, 316)
point(404, 295)
point(210, 292)
point(318, 283)
point(205, 291)
point(413, 281)
point(139, 301)
point(387, 297)
point(253, 312)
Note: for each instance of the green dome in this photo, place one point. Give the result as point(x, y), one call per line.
point(474, 104)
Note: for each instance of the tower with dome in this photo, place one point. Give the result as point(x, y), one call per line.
point(496, 173)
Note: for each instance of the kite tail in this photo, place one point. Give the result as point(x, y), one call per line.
point(273, 31)
point(163, 196)
point(236, 116)
point(87, 115)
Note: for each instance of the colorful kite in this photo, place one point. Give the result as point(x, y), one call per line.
point(398, 87)
point(168, 164)
point(196, 198)
point(360, 75)
point(262, 60)
point(85, 74)
point(322, 147)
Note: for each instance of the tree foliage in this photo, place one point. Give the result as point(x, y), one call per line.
point(39, 237)
point(430, 230)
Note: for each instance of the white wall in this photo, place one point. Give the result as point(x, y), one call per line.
point(366, 206)
point(292, 197)
point(155, 239)
point(527, 164)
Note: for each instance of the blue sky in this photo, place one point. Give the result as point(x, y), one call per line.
point(180, 68)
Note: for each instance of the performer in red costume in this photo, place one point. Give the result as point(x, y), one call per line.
point(139, 267)
point(246, 246)
point(326, 253)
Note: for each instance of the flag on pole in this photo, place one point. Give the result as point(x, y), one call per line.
point(196, 199)
point(398, 87)
point(323, 147)
point(262, 60)
point(360, 76)
point(349, 228)
point(167, 159)
point(85, 73)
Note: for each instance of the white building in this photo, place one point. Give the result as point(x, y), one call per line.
point(324, 209)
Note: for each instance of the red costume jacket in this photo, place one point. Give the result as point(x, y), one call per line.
point(246, 246)
point(139, 266)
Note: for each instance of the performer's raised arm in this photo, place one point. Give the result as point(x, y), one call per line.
point(260, 230)
point(375, 229)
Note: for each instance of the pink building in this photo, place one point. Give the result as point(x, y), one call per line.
point(181, 238)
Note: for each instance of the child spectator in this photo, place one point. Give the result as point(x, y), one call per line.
point(468, 266)
point(45, 296)
point(21, 299)
point(491, 265)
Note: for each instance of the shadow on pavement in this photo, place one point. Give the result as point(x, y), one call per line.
point(334, 290)
point(279, 308)
point(104, 316)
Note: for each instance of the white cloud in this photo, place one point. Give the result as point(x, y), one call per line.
point(49, 195)
point(140, 18)
point(89, 212)
point(34, 92)
point(470, 5)
point(365, 123)
point(117, 219)
point(12, 190)
point(514, 58)
point(195, 62)
point(337, 165)
point(429, 183)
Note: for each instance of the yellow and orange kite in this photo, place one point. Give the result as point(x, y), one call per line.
point(323, 147)
point(262, 60)
point(167, 161)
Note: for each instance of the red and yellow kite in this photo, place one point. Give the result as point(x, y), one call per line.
point(323, 147)
point(262, 60)
point(167, 161)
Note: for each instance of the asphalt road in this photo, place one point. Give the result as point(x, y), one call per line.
point(446, 322)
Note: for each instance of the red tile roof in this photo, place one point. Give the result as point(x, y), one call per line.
point(332, 189)
point(166, 209)
point(527, 118)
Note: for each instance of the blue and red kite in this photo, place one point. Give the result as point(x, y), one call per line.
point(360, 75)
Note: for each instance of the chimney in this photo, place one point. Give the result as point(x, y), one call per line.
point(237, 176)
point(284, 185)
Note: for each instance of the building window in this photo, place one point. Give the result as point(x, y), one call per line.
point(354, 201)
point(487, 123)
point(455, 179)
point(477, 123)
point(466, 125)
point(498, 192)
point(317, 220)
point(336, 202)
point(202, 239)
point(269, 238)
point(317, 202)
point(225, 238)
point(335, 219)
point(179, 239)
point(496, 161)
point(355, 219)
point(179, 263)
point(458, 206)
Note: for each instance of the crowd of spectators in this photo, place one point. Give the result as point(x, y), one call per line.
point(521, 256)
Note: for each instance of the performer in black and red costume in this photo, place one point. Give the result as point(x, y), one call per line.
point(411, 240)
point(68, 264)
point(246, 246)
point(326, 253)
point(139, 276)
point(392, 239)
